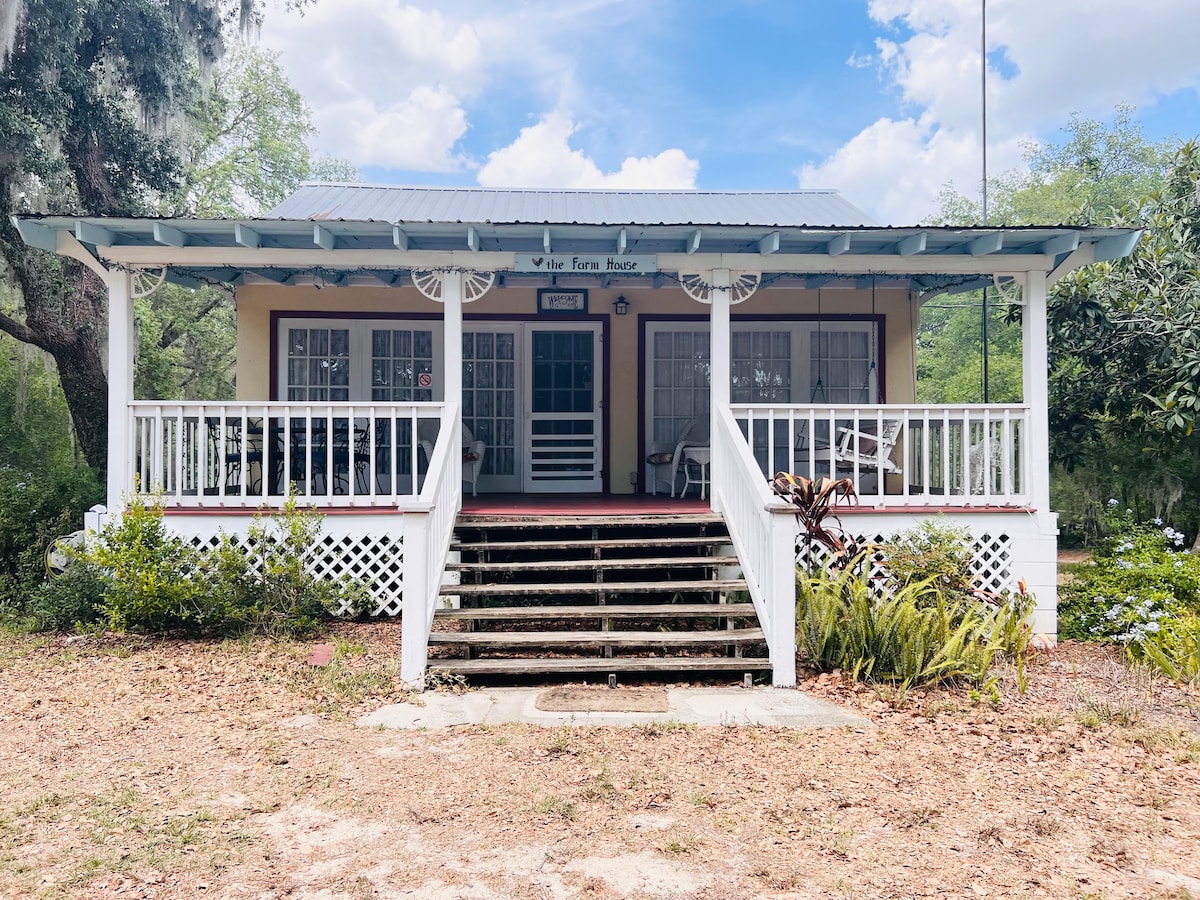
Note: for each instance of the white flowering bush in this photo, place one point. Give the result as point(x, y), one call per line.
point(1141, 580)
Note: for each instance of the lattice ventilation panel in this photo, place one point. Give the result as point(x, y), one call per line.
point(376, 561)
point(991, 560)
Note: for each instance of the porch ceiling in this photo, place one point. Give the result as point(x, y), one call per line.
point(346, 252)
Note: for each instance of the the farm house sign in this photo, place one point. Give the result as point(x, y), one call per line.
point(585, 264)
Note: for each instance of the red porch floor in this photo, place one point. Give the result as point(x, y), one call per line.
point(579, 505)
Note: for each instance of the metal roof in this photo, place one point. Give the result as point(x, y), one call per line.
point(397, 204)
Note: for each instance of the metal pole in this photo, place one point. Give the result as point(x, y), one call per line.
point(983, 332)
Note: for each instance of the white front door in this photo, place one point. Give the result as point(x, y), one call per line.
point(563, 441)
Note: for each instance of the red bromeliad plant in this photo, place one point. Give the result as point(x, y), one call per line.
point(815, 502)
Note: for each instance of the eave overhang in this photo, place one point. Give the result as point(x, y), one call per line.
point(234, 252)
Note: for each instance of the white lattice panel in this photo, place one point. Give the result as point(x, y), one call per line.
point(991, 560)
point(374, 560)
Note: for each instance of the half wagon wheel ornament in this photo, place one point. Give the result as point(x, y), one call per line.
point(147, 280)
point(742, 289)
point(475, 284)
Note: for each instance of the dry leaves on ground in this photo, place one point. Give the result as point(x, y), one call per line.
point(164, 769)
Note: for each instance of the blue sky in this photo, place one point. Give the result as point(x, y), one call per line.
point(876, 98)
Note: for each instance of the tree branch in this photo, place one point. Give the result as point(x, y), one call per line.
point(20, 331)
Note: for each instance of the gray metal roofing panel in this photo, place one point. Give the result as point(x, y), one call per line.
point(360, 202)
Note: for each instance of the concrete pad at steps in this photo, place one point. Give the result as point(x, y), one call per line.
point(774, 707)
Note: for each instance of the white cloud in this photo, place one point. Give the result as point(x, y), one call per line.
point(898, 167)
point(541, 156)
point(417, 133)
point(1055, 61)
point(397, 83)
point(384, 80)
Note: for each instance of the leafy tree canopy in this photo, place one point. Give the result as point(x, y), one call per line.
point(1093, 177)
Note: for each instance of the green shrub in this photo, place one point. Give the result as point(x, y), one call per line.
point(34, 510)
point(152, 578)
point(267, 588)
point(1140, 578)
point(934, 550)
point(152, 581)
point(73, 600)
point(917, 634)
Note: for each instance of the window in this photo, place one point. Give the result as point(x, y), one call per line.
point(681, 366)
point(318, 364)
point(771, 362)
point(489, 396)
point(360, 361)
point(399, 357)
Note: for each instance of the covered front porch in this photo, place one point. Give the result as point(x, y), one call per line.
point(389, 370)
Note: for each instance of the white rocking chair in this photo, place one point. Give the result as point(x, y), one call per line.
point(868, 450)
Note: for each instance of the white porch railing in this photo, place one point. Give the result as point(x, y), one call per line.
point(968, 455)
point(427, 535)
point(248, 454)
point(765, 542)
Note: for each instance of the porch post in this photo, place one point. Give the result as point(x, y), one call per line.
point(720, 354)
point(121, 348)
point(452, 314)
point(1037, 553)
point(1036, 373)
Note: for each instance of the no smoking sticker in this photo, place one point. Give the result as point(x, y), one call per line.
point(424, 380)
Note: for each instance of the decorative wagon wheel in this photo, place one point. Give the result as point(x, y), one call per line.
point(743, 287)
point(475, 284)
point(148, 280)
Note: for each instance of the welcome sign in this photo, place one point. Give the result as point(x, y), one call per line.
point(585, 264)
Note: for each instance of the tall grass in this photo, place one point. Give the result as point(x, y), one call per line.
point(915, 634)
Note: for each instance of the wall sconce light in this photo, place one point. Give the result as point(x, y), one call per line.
point(621, 305)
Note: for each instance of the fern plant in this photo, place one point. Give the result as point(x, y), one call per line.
point(916, 634)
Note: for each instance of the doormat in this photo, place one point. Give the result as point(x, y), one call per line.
point(569, 698)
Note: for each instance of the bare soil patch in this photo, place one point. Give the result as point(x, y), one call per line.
point(168, 769)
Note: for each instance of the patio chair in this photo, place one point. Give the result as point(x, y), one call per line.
point(693, 434)
point(869, 450)
point(473, 453)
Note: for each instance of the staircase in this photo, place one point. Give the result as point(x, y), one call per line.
point(598, 595)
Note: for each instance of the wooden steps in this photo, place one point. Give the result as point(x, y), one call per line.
point(586, 594)
point(501, 589)
point(654, 562)
point(597, 638)
point(607, 611)
point(562, 666)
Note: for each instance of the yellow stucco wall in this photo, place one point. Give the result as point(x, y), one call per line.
point(256, 303)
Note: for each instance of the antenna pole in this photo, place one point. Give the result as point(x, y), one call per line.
point(983, 332)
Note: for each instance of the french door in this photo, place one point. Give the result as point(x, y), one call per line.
point(531, 391)
point(563, 440)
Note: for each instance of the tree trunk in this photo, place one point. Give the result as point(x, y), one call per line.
point(65, 311)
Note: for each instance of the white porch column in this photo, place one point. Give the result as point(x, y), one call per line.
point(122, 346)
point(1036, 374)
point(452, 313)
point(721, 353)
point(1036, 556)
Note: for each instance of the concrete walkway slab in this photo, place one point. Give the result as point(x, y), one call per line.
point(775, 707)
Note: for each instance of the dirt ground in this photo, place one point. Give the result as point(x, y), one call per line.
point(163, 769)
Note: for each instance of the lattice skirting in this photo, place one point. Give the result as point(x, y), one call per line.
point(991, 560)
point(375, 560)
